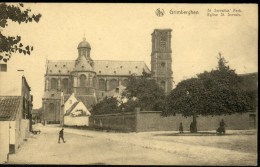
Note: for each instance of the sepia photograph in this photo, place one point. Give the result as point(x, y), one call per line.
point(129, 84)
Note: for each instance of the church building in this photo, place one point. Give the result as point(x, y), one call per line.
point(91, 80)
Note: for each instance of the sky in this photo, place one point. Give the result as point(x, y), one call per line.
point(123, 32)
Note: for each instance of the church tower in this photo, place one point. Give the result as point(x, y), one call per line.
point(161, 58)
point(83, 75)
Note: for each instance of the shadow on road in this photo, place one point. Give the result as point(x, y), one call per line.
point(202, 134)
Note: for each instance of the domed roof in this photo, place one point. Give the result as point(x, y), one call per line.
point(84, 44)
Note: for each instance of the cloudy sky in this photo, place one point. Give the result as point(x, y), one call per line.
point(123, 32)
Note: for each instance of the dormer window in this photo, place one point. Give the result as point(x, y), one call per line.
point(50, 70)
point(68, 71)
point(129, 72)
point(114, 72)
point(99, 72)
point(55, 65)
point(82, 66)
point(64, 65)
point(106, 66)
point(59, 71)
point(136, 67)
point(121, 66)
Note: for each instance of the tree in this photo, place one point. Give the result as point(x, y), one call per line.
point(211, 93)
point(146, 91)
point(107, 106)
point(12, 44)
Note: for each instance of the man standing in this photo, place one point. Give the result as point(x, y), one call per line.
point(61, 136)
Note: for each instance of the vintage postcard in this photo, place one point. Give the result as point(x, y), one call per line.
point(128, 84)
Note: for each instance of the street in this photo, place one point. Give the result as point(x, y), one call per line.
point(150, 148)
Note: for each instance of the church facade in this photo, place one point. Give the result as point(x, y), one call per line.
point(91, 80)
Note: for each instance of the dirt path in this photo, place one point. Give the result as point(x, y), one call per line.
point(91, 147)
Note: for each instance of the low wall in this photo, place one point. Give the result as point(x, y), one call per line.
point(76, 121)
point(121, 122)
point(145, 121)
point(153, 121)
point(4, 141)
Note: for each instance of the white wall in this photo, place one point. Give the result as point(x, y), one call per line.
point(71, 100)
point(76, 121)
point(4, 141)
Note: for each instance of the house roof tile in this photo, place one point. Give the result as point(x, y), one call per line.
point(9, 106)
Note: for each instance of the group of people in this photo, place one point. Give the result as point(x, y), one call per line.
point(193, 127)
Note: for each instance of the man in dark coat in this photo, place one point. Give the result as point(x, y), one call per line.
point(61, 136)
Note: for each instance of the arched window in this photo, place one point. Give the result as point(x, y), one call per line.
point(102, 84)
point(163, 85)
point(51, 108)
point(113, 84)
point(65, 85)
point(124, 82)
point(94, 81)
point(82, 80)
point(54, 83)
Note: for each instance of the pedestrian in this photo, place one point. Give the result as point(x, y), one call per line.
point(221, 128)
point(61, 136)
point(181, 128)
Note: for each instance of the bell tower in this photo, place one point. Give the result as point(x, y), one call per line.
point(161, 58)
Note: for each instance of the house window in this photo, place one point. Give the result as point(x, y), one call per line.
point(3, 67)
point(55, 65)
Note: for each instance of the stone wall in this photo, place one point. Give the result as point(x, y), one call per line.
point(145, 121)
point(122, 122)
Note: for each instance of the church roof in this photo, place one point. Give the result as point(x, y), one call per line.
point(109, 67)
point(87, 100)
point(60, 67)
point(83, 65)
point(9, 106)
point(101, 67)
